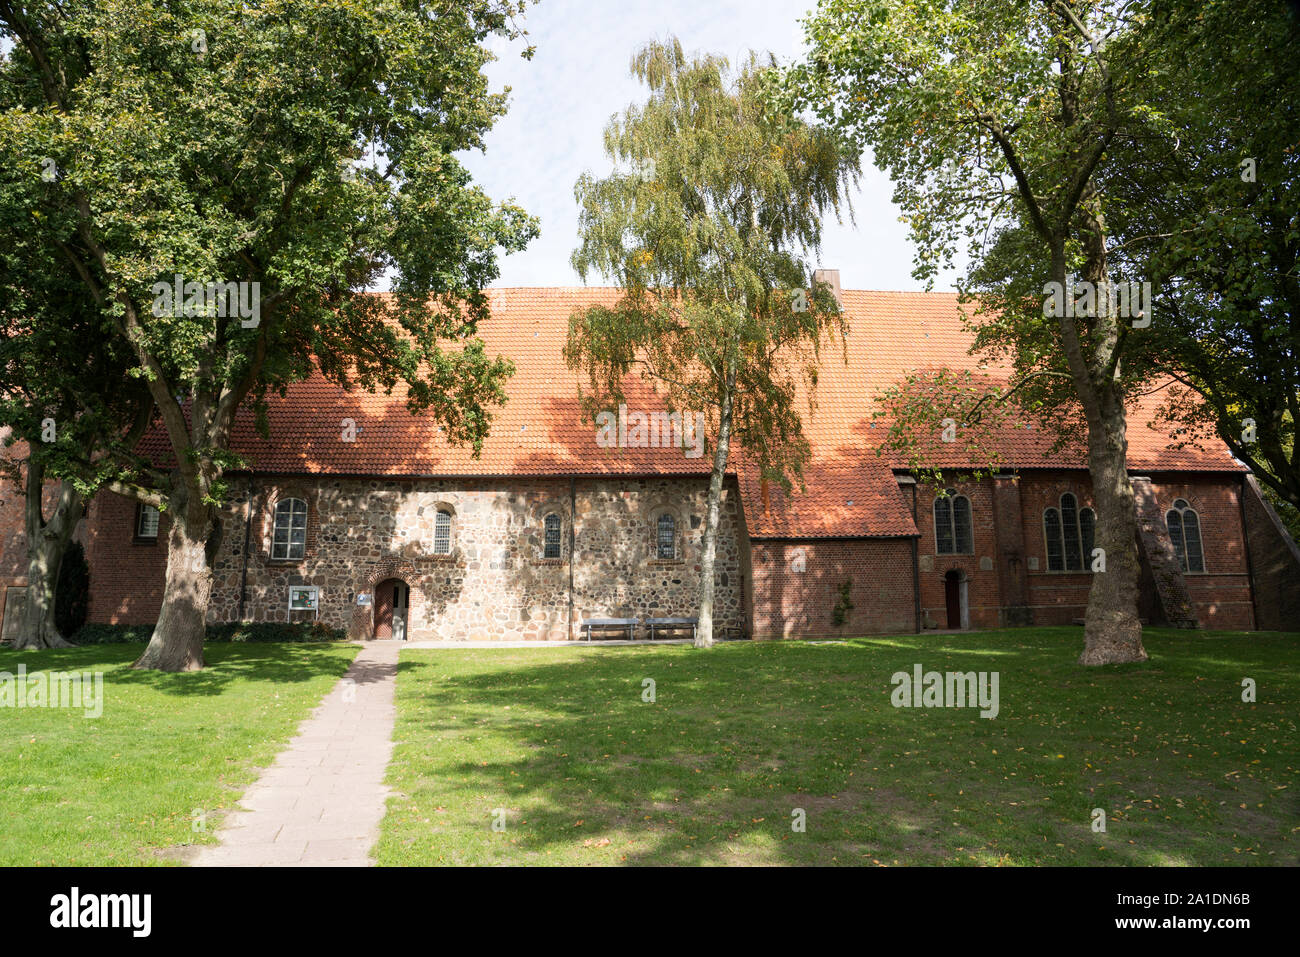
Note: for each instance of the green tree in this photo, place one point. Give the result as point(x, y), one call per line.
point(1208, 206)
point(69, 403)
point(705, 236)
point(996, 121)
point(274, 160)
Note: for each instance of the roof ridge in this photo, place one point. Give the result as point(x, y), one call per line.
point(876, 292)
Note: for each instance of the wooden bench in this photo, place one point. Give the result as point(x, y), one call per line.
point(610, 624)
point(672, 624)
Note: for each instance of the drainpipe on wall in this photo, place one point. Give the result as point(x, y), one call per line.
point(248, 535)
point(916, 566)
point(1245, 544)
point(573, 521)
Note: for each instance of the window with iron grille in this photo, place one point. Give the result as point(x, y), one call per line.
point(442, 533)
point(667, 537)
point(289, 538)
point(551, 530)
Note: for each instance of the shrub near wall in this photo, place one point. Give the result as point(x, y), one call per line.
point(260, 631)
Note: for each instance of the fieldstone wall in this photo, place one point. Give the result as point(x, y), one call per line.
point(495, 584)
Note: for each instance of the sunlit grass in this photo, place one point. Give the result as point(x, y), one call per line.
point(743, 736)
point(169, 749)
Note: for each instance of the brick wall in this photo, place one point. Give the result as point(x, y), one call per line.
point(797, 586)
point(1276, 564)
point(126, 574)
point(1220, 596)
point(1009, 539)
point(13, 532)
point(1055, 597)
point(13, 541)
point(978, 568)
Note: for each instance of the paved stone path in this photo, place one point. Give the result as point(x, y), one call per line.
point(321, 801)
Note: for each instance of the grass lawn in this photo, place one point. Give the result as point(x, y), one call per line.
point(741, 736)
point(119, 788)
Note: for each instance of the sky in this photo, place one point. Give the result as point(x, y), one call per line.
point(563, 98)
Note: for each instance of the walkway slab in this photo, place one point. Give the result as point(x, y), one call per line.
point(321, 801)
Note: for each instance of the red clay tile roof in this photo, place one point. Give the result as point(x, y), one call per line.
point(850, 491)
point(839, 500)
point(540, 430)
point(894, 333)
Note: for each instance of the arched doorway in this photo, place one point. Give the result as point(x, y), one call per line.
point(392, 609)
point(955, 600)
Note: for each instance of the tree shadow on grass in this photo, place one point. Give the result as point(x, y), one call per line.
point(228, 663)
point(720, 769)
point(600, 764)
point(740, 739)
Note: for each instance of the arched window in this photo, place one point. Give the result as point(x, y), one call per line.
point(1069, 533)
point(1052, 533)
point(442, 532)
point(962, 525)
point(952, 525)
point(289, 536)
point(666, 536)
point(551, 536)
point(1185, 532)
point(1088, 530)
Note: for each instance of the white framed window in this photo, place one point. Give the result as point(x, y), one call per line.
point(146, 522)
point(1184, 526)
point(551, 531)
point(289, 536)
point(442, 532)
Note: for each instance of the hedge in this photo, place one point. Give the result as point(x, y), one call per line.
point(256, 631)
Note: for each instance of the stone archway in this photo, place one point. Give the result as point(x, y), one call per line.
point(392, 610)
point(362, 626)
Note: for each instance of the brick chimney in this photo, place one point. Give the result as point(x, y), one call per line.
point(832, 277)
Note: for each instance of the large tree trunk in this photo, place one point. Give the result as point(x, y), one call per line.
point(1112, 630)
point(177, 640)
point(47, 541)
point(704, 630)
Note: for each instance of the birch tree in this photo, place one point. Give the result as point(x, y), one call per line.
point(706, 228)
